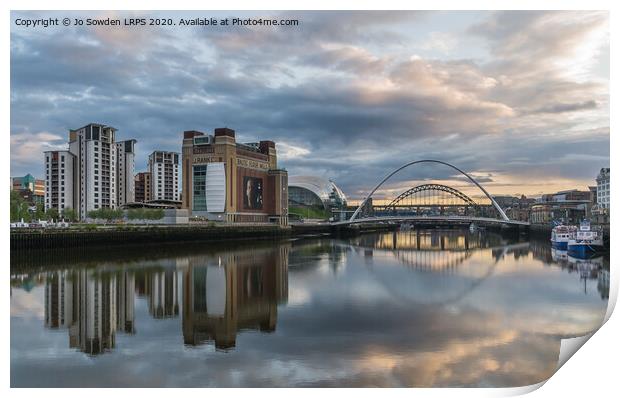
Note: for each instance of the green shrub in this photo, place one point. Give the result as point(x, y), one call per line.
point(106, 214)
point(145, 214)
point(69, 214)
point(309, 212)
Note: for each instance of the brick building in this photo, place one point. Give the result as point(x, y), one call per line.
point(224, 180)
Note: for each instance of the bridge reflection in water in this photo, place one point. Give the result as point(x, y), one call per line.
point(438, 250)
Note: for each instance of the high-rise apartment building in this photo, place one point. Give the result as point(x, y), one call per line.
point(125, 166)
point(59, 180)
point(96, 172)
point(142, 186)
point(95, 182)
point(164, 169)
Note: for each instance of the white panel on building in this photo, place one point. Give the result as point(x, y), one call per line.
point(216, 290)
point(216, 187)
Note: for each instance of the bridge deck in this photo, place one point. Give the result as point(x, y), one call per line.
point(456, 219)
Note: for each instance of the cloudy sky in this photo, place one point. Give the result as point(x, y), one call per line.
point(520, 99)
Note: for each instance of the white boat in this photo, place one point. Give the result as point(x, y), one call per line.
point(561, 234)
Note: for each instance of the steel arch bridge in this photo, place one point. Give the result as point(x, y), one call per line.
point(432, 187)
point(503, 218)
point(430, 195)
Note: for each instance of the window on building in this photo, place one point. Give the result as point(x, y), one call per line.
point(200, 188)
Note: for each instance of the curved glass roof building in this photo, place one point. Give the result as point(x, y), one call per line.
point(315, 192)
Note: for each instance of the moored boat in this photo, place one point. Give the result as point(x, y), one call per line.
point(561, 234)
point(586, 242)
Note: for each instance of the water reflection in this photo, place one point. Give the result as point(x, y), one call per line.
point(438, 250)
point(221, 296)
point(405, 308)
point(235, 292)
point(91, 305)
point(163, 294)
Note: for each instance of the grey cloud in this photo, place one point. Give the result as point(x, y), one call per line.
point(561, 108)
point(537, 36)
point(352, 59)
point(341, 86)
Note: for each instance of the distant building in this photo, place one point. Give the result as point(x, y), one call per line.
point(229, 181)
point(516, 208)
point(567, 207)
point(506, 201)
point(315, 193)
point(30, 188)
point(567, 196)
point(142, 187)
point(164, 170)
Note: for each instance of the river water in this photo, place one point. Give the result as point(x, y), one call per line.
point(413, 308)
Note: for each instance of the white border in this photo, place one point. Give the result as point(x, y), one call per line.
point(590, 373)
